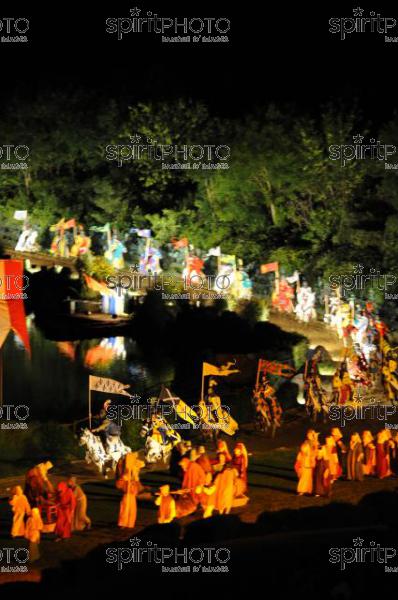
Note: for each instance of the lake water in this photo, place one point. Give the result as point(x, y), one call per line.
point(53, 382)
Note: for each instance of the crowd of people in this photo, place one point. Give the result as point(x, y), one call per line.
point(42, 507)
point(205, 483)
point(322, 460)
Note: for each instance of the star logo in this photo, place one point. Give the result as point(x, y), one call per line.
point(358, 269)
point(135, 541)
point(135, 139)
point(135, 12)
point(357, 12)
point(358, 542)
point(134, 268)
point(135, 398)
point(357, 138)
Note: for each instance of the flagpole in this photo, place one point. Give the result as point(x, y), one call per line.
point(89, 406)
point(1, 376)
point(258, 372)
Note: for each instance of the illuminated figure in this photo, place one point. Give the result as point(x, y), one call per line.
point(305, 307)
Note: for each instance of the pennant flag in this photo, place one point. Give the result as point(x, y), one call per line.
point(12, 311)
point(276, 368)
point(69, 224)
point(228, 260)
point(101, 228)
point(222, 371)
point(58, 225)
point(214, 251)
point(269, 268)
point(109, 386)
point(96, 286)
point(182, 243)
point(182, 410)
point(20, 215)
point(145, 233)
point(293, 278)
point(62, 224)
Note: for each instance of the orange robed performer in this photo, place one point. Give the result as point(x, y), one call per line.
point(167, 506)
point(225, 489)
point(382, 456)
point(66, 504)
point(203, 460)
point(128, 504)
point(240, 462)
point(208, 497)
point(34, 526)
point(305, 463)
point(20, 508)
point(222, 448)
point(129, 483)
point(194, 476)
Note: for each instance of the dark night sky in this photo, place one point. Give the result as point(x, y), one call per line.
point(282, 53)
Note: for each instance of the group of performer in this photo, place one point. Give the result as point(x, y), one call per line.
point(322, 460)
point(299, 301)
point(42, 507)
point(267, 408)
point(206, 484)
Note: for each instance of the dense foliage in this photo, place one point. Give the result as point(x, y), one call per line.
point(282, 197)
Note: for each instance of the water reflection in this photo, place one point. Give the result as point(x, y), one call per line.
point(54, 381)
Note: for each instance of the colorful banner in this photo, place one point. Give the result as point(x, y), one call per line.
point(184, 411)
point(108, 386)
point(269, 268)
point(182, 243)
point(12, 311)
point(223, 371)
point(21, 215)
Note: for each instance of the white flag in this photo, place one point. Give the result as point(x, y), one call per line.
point(20, 215)
point(293, 278)
point(109, 386)
point(214, 251)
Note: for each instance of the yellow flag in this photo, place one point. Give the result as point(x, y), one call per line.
point(223, 371)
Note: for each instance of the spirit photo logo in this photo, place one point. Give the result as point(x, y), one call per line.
point(359, 151)
point(13, 560)
point(152, 23)
point(360, 23)
point(14, 416)
point(136, 281)
point(196, 413)
point(379, 412)
point(358, 280)
point(12, 287)
point(15, 156)
point(14, 28)
point(175, 560)
point(360, 554)
point(186, 156)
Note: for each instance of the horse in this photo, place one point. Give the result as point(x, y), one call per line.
point(103, 458)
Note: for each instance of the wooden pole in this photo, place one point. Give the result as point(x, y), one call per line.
point(1, 376)
point(258, 372)
point(89, 407)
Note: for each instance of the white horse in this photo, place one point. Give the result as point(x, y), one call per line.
point(115, 449)
point(305, 307)
point(96, 454)
point(155, 452)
